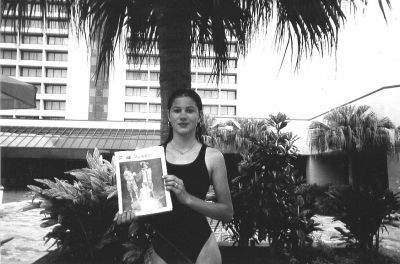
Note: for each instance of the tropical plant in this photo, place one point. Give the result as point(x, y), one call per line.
point(177, 27)
point(82, 212)
point(269, 199)
point(234, 135)
point(352, 129)
point(365, 214)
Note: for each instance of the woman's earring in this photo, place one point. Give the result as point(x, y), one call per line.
point(169, 124)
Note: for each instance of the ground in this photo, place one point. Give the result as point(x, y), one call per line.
point(28, 246)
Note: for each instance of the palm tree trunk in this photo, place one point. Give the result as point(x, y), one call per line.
point(174, 46)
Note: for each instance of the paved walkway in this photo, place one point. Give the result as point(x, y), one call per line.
point(28, 244)
point(390, 240)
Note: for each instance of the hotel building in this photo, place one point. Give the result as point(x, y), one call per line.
point(74, 114)
point(50, 57)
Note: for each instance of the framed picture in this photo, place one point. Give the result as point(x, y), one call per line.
point(139, 181)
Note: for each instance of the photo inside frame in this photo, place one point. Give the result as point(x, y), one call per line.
point(142, 186)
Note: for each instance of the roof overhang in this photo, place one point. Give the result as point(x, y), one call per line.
point(38, 138)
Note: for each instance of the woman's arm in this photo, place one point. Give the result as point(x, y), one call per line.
point(222, 209)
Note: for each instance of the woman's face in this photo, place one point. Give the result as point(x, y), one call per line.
point(184, 115)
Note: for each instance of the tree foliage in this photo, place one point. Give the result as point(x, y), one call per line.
point(269, 198)
point(304, 25)
point(178, 27)
point(82, 212)
point(352, 129)
point(365, 213)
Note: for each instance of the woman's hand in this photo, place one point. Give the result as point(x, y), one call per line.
point(173, 183)
point(126, 217)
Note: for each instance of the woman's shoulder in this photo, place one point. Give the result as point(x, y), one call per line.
point(214, 155)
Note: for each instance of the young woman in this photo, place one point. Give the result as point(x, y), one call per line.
point(184, 234)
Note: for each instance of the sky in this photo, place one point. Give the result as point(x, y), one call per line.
point(367, 58)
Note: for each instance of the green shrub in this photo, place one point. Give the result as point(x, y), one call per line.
point(365, 213)
point(270, 201)
point(82, 211)
point(319, 200)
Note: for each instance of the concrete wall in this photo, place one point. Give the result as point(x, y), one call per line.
point(326, 169)
point(393, 165)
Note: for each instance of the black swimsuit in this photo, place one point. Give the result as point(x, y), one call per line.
point(184, 230)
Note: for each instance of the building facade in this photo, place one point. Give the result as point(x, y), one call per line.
point(62, 68)
point(75, 112)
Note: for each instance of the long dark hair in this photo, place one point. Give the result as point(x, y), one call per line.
point(196, 98)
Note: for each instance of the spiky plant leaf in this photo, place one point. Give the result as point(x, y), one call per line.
point(82, 210)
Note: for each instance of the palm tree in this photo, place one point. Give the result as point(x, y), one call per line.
point(353, 130)
point(241, 135)
point(180, 26)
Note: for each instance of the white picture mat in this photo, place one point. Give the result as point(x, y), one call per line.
point(133, 171)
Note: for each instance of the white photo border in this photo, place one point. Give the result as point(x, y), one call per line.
point(138, 156)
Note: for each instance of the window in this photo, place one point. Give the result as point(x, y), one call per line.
point(136, 75)
point(8, 70)
point(210, 109)
point(228, 94)
point(134, 120)
point(154, 108)
point(31, 55)
point(53, 117)
point(55, 88)
point(7, 22)
point(8, 54)
point(54, 24)
point(56, 72)
point(27, 117)
point(31, 71)
point(34, 8)
point(228, 78)
point(136, 107)
point(193, 77)
point(204, 77)
point(208, 94)
point(140, 59)
point(38, 87)
point(8, 38)
point(206, 62)
point(37, 104)
point(209, 62)
point(57, 56)
point(57, 40)
point(193, 61)
point(208, 48)
point(228, 110)
point(54, 105)
point(35, 23)
point(232, 47)
point(32, 39)
point(136, 91)
point(154, 92)
point(154, 76)
point(232, 63)
point(154, 60)
point(57, 10)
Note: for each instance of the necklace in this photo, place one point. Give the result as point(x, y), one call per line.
point(180, 151)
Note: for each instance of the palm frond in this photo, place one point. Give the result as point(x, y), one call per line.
point(305, 25)
point(352, 128)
